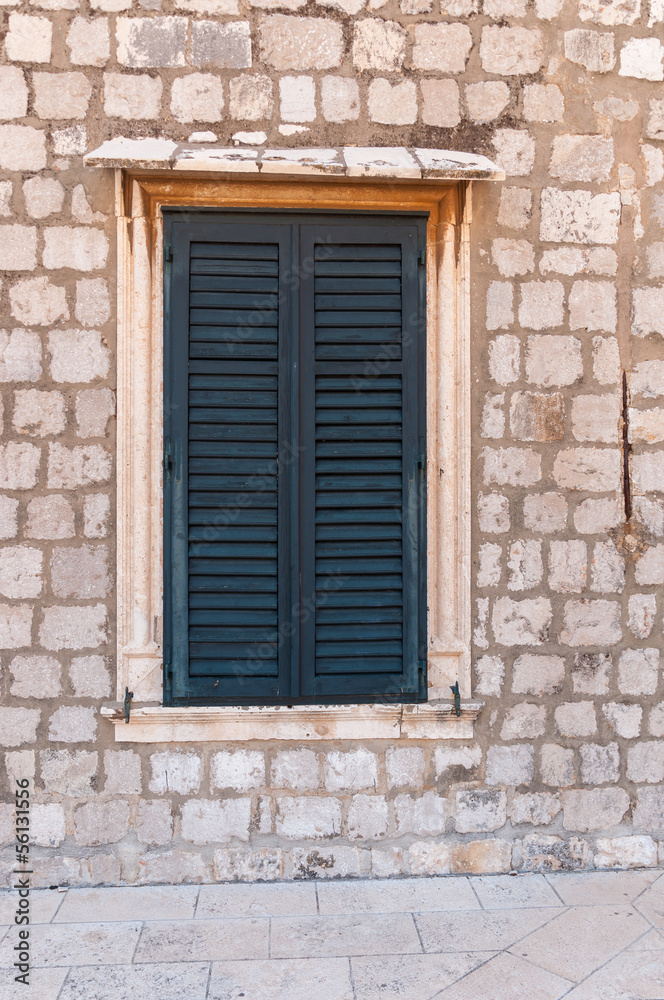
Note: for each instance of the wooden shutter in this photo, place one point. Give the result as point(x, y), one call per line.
point(294, 427)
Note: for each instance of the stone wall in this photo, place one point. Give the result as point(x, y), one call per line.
point(567, 770)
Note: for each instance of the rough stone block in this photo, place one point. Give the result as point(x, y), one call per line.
point(22, 148)
point(20, 571)
point(72, 773)
point(72, 724)
point(197, 97)
point(101, 822)
point(553, 360)
point(14, 92)
point(600, 764)
point(132, 97)
point(89, 677)
point(597, 516)
point(493, 416)
point(456, 763)
point(638, 671)
point(521, 623)
point(515, 211)
point(649, 812)
point(18, 246)
point(233, 865)
point(35, 677)
point(557, 765)
point(151, 42)
point(513, 257)
point(540, 853)
point(440, 103)
point(511, 51)
point(154, 822)
point(597, 809)
point(594, 50)
point(215, 821)
point(625, 852)
point(524, 564)
point(392, 105)
point(480, 810)
point(541, 306)
point(296, 769)
point(93, 307)
point(251, 97)
point(83, 465)
point(88, 42)
point(512, 765)
point(645, 762)
point(173, 867)
point(38, 414)
point(43, 196)
point(576, 719)
point(340, 862)
point(28, 39)
point(367, 817)
point(352, 771)
point(61, 95)
point(539, 675)
point(641, 58)
point(444, 48)
point(511, 466)
point(80, 572)
point(545, 512)
point(405, 767)
point(241, 770)
point(123, 772)
point(607, 569)
point(591, 673)
point(8, 517)
point(543, 102)
point(592, 469)
point(18, 725)
point(50, 517)
point(297, 97)
point(307, 42)
point(504, 352)
point(94, 408)
point(422, 815)
point(70, 141)
point(73, 627)
point(19, 464)
point(647, 475)
point(489, 570)
point(581, 158)
point(624, 720)
point(379, 45)
point(596, 418)
point(175, 771)
point(308, 817)
point(47, 824)
point(568, 566)
point(592, 306)
point(38, 302)
point(515, 151)
point(579, 216)
point(537, 808)
point(537, 416)
point(493, 513)
point(486, 101)
point(591, 623)
point(76, 247)
point(96, 511)
point(226, 46)
point(523, 721)
point(647, 318)
point(642, 612)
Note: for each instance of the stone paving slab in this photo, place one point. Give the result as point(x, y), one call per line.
point(578, 936)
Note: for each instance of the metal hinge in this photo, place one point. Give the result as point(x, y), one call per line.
point(168, 460)
point(422, 459)
point(454, 688)
point(168, 252)
point(422, 257)
point(127, 703)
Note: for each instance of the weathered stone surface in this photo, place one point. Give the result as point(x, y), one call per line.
point(511, 765)
point(38, 302)
point(154, 822)
point(88, 42)
point(545, 512)
point(123, 772)
point(537, 808)
point(422, 815)
point(568, 566)
point(96, 512)
point(576, 719)
point(73, 627)
point(241, 770)
point(533, 674)
point(72, 724)
point(524, 564)
point(301, 43)
point(599, 764)
point(441, 47)
point(209, 821)
point(297, 98)
point(28, 39)
point(592, 469)
point(487, 101)
point(379, 45)
point(623, 719)
point(61, 95)
point(625, 852)
point(14, 92)
point(20, 571)
point(101, 822)
point(50, 517)
point(541, 853)
point(228, 46)
point(392, 105)
point(592, 306)
point(638, 671)
point(295, 769)
point(642, 58)
point(594, 50)
point(543, 103)
point(175, 771)
point(581, 158)
point(515, 151)
point(553, 360)
point(69, 772)
point(80, 572)
point(148, 42)
point(82, 465)
point(537, 416)
point(94, 408)
point(18, 725)
point(405, 767)
point(490, 673)
point(557, 765)
point(308, 818)
point(43, 196)
point(89, 677)
point(579, 217)
point(233, 865)
point(352, 771)
point(598, 809)
point(197, 97)
point(38, 414)
point(22, 148)
point(520, 623)
point(132, 97)
point(340, 97)
point(591, 673)
point(18, 245)
point(511, 51)
point(591, 623)
point(513, 466)
point(19, 464)
point(479, 810)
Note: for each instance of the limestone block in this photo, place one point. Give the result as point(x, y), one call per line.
point(486, 101)
point(591, 623)
point(80, 572)
point(123, 772)
point(607, 569)
point(225, 46)
point(339, 862)
point(523, 721)
point(22, 148)
point(641, 58)
point(610, 12)
point(541, 305)
point(539, 675)
point(480, 810)
point(537, 416)
point(444, 48)
point(50, 517)
point(625, 852)
point(6, 192)
point(537, 808)
point(490, 673)
point(405, 767)
point(80, 248)
point(38, 413)
point(581, 158)
point(20, 571)
point(493, 416)
point(69, 772)
point(567, 566)
point(648, 304)
point(88, 42)
point(8, 517)
point(650, 513)
point(38, 302)
point(47, 824)
point(638, 671)
point(557, 765)
point(71, 141)
point(132, 97)
point(89, 677)
point(504, 351)
point(515, 209)
point(215, 821)
point(591, 673)
point(511, 51)
point(241, 770)
point(513, 466)
point(173, 867)
point(148, 42)
point(493, 513)
point(28, 39)
point(308, 817)
point(297, 96)
point(513, 257)
point(352, 771)
point(594, 50)
point(422, 815)
point(606, 360)
point(550, 360)
point(457, 763)
point(511, 765)
point(579, 216)
point(521, 623)
point(340, 99)
point(305, 42)
point(515, 151)
point(197, 97)
point(543, 102)
point(94, 408)
point(427, 858)
point(489, 570)
point(78, 355)
point(576, 719)
point(645, 762)
point(624, 720)
point(251, 97)
point(295, 769)
point(14, 92)
point(19, 464)
point(18, 247)
point(596, 517)
point(82, 465)
point(175, 771)
point(524, 564)
point(592, 306)
point(73, 627)
point(600, 764)
point(72, 724)
point(642, 613)
point(154, 823)
point(592, 469)
point(598, 809)
point(647, 425)
point(649, 811)
point(61, 95)
point(545, 512)
point(596, 418)
point(233, 865)
point(647, 475)
point(440, 103)
point(392, 105)
point(96, 511)
point(17, 725)
point(541, 853)
point(379, 45)
point(43, 197)
point(101, 822)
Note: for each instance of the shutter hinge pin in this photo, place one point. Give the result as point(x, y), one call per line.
point(422, 257)
point(454, 688)
point(422, 459)
point(168, 252)
point(127, 703)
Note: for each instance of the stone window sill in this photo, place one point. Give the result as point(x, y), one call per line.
point(430, 721)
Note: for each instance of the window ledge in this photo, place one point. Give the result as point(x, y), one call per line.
point(431, 721)
point(394, 162)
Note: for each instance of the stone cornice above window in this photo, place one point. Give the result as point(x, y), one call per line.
point(395, 163)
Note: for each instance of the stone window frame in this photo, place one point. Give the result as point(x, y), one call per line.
point(140, 195)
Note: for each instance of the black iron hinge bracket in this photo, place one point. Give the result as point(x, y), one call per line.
point(127, 703)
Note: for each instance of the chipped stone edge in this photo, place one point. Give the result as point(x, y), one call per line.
point(426, 721)
point(374, 162)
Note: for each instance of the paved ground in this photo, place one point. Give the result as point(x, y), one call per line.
point(593, 936)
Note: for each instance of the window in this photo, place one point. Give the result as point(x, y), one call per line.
point(294, 458)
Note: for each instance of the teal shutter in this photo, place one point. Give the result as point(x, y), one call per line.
point(294, 505)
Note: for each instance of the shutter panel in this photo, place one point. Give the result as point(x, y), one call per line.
point(363, 485)
point(227, 429)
